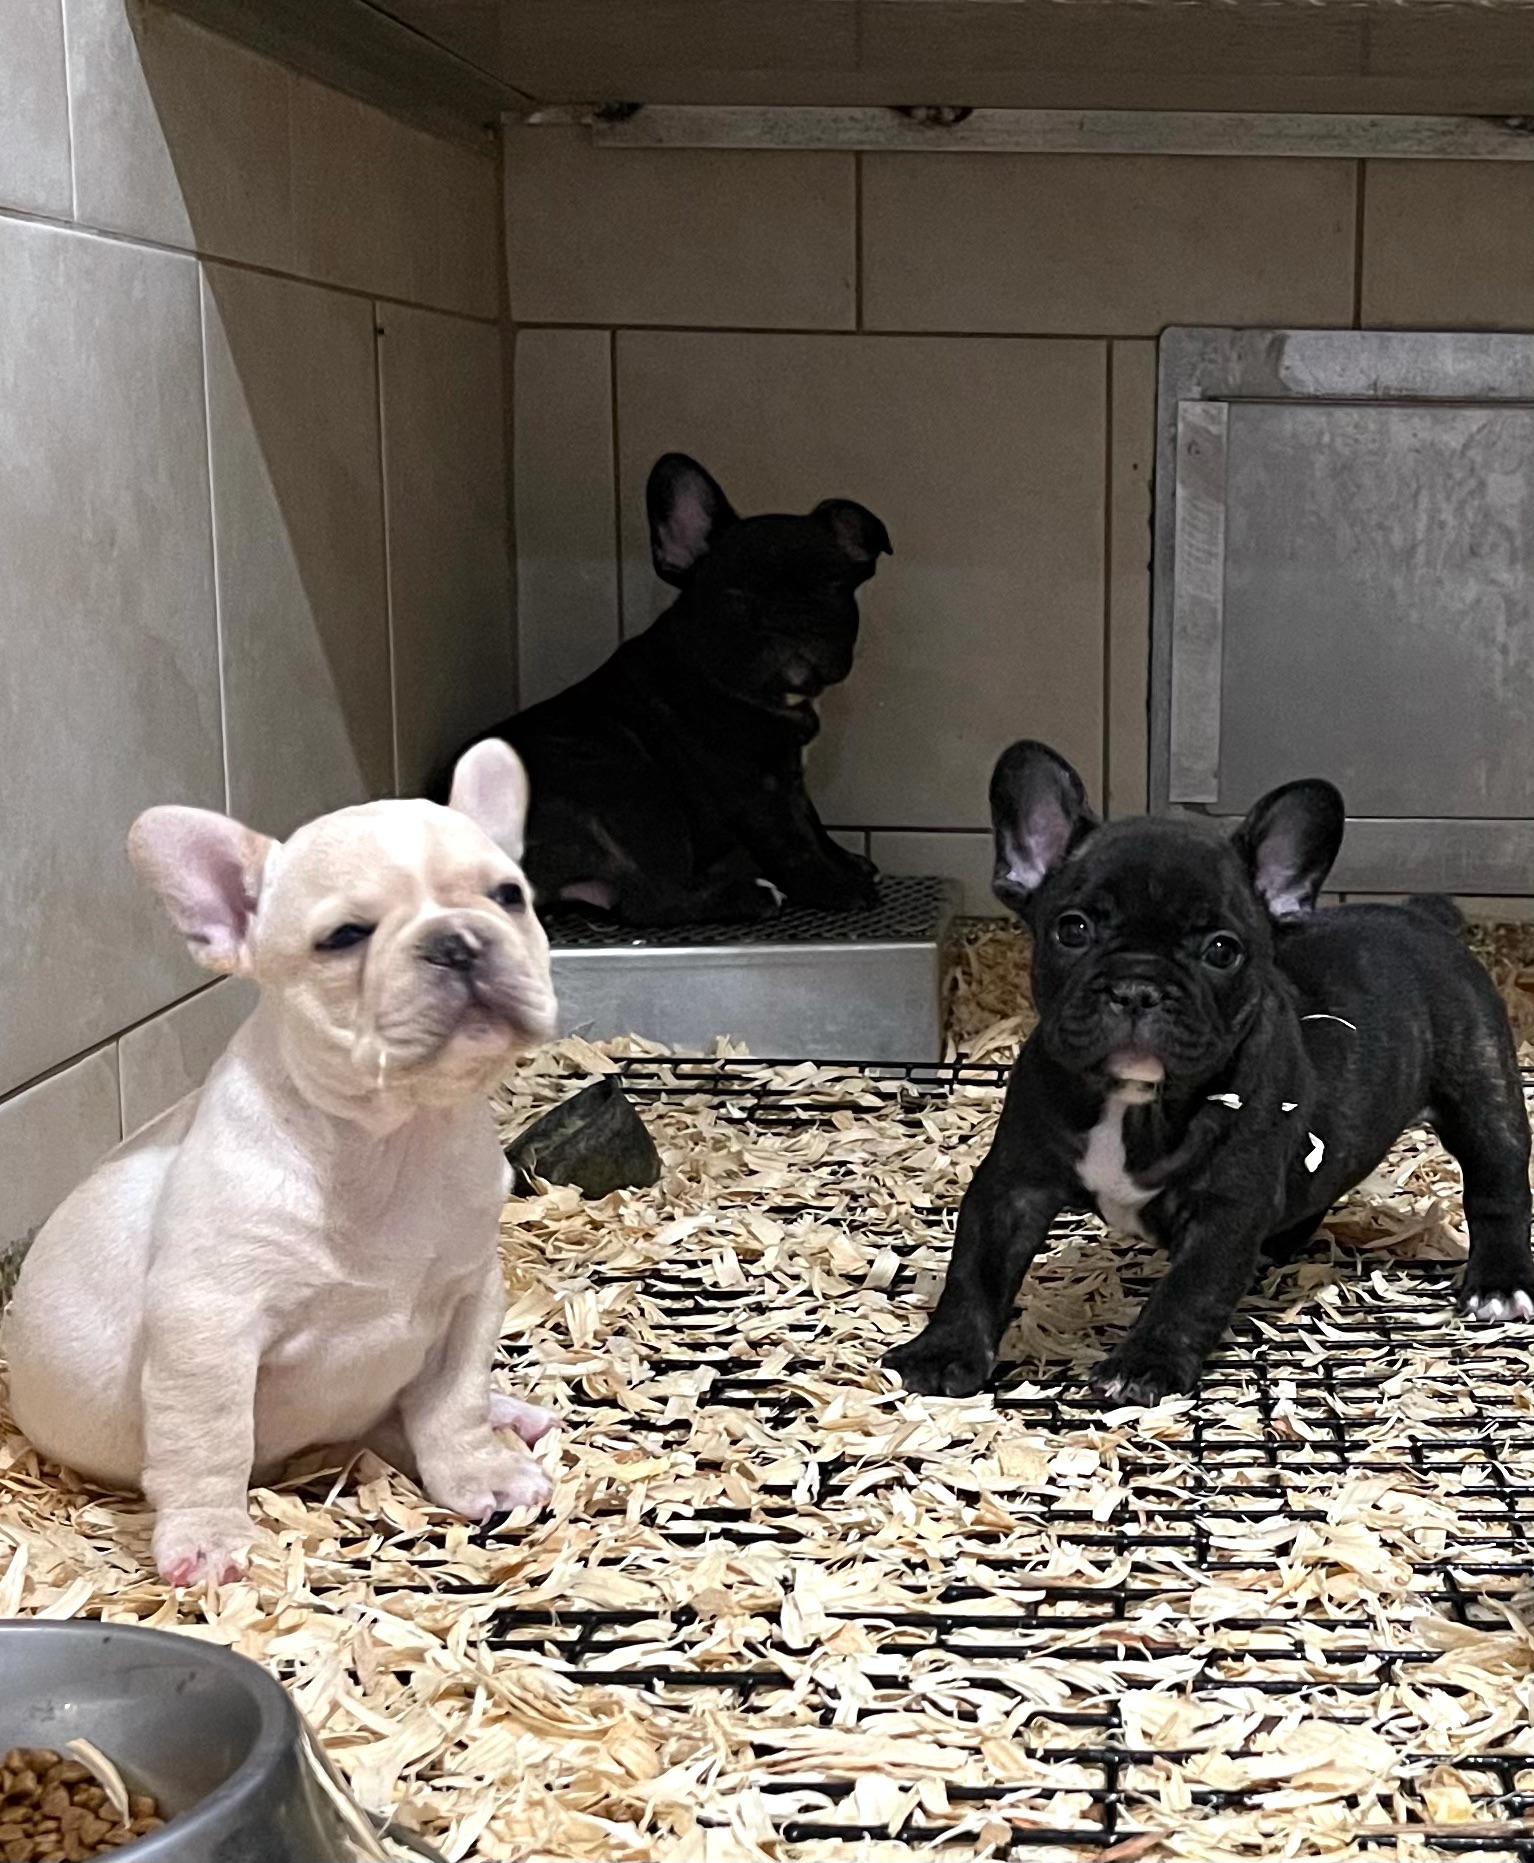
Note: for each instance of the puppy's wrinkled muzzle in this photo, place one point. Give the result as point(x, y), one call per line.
point(464, 984)
point(1134, 996)
point(1132, 1024)
point(499, 994)
point(450, 948)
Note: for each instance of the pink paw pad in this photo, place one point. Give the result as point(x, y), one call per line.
point(202, 1545)
point(192, 1568)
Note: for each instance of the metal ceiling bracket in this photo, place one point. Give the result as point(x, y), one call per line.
point(934, 128)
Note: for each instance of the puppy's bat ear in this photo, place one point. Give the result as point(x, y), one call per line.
point(1039, 812)
point(490, 787)
point(860, 536)
point(1288, 844)
point(688, 515)
point(208, 869)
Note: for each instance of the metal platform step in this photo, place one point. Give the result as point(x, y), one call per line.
point(862, 986)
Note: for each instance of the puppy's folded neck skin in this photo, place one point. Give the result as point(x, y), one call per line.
point(349, 1081)
point(1130, 1140)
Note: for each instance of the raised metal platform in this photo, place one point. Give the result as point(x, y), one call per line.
point(863, 986)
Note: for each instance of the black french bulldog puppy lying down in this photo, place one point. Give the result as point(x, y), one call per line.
point(1216, 1063)
point(668, 787)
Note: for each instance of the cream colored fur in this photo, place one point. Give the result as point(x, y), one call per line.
point(305, 1251)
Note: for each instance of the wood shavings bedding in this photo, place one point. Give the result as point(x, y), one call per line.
point(781, 1610)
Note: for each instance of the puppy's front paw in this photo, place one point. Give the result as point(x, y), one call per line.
point(529, 1421)
point(194, 1544)
point(943, 1361)
point(1144, 1371)
point(1496, 1304)
point(481, 1479)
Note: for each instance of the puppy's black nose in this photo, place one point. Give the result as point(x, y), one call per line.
point(1135, 995)
point(450, 950)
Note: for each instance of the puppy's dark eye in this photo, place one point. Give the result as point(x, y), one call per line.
point(509, 896)
point(1222, 951)
point(344, 937)
point(1073, 930)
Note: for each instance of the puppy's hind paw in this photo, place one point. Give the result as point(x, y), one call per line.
point(1497, 1307)
point(487, 1478)
point(529, 1421)
point(197, 1544)
point(942, 1363)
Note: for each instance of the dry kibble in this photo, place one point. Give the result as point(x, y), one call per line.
point(53, 1811)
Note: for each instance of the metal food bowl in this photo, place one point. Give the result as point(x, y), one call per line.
point(208, 1734)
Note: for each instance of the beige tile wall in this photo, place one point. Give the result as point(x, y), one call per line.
point(293, 434)
point(1104, 245)
point(229, 531)
point(1449, 245)
point(566, 505)
point(449, 572)
point(967, 344)
point(50, 1136)
point(35, 168)
point(709, 237)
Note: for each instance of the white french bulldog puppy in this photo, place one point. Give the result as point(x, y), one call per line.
point(304, 1252)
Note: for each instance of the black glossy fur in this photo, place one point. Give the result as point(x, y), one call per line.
point(668, 787)
point(1341, 1026)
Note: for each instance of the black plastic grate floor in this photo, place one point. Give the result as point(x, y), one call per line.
point(1305, 1401)
point(911, 910)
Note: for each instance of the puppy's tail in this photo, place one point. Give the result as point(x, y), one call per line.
point(1440, 909)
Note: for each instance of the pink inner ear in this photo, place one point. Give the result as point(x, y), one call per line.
point(208, 870)
point(1281, 885)
point(685, 533)
point(1033, 850)
point(490, 787)
point(1047, 834)
point(848, 533)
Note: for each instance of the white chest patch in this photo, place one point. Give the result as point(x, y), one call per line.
point(1102, 1170)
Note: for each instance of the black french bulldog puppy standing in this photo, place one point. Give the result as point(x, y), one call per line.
point(668, 786)
point(1215, 1064)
